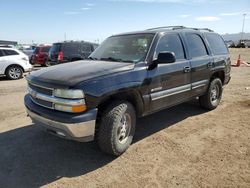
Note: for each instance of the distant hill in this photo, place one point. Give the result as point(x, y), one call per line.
point(236, 37)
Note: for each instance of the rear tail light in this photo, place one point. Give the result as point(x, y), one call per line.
point(60, 56)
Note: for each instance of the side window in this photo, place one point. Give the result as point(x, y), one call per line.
point(10, 52)
point(45, 49)
point(196, 45)
point(70, 48)
point(86, 48)
point(1, 53)
point(172, 43)
point(216, 43)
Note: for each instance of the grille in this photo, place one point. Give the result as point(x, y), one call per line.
point(42, 102)
point(42, 90)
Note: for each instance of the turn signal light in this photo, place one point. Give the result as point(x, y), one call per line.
point(80, 108)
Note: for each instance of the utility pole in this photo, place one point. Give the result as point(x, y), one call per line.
point(65, 37)
point(243, 24)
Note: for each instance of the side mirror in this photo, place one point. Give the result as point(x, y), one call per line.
point(165, 57)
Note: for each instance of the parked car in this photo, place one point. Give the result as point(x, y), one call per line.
point(28, 50)
point(40, 56)
point(68, 51)
point(247, 43)
point(230, 44)
point(129, 75)
point(13, 63)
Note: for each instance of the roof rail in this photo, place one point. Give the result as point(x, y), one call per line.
point(168, 27)
point(180, 27)
point(204, 29)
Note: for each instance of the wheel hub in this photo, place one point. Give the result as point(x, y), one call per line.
point(15, 73)
point(214, 93)
point(124, 128)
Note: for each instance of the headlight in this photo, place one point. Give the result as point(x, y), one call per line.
point(68, 93)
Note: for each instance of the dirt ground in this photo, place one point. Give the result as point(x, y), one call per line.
point(183, 146)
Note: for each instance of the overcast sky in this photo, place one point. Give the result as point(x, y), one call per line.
point(47, 21)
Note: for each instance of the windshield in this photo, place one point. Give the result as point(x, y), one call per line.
point(124, 48)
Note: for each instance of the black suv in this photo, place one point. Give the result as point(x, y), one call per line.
point(130, 75)
point(68, 51)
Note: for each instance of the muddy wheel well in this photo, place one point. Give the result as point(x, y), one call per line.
point(220, 75)
point(132, 97)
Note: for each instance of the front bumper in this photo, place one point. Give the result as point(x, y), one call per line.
point(70, 126)
point(227, 79)
point(28, 68)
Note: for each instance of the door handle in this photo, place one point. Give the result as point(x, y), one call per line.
point(186, 69)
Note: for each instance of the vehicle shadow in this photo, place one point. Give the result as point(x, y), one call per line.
point(3, 78)
point(30, 157)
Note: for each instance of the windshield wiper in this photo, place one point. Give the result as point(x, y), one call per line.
point(116, 60)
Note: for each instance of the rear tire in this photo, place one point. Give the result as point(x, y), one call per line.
point(47, 63)
point(212, 98)
point(117, 128)
point(14, 72)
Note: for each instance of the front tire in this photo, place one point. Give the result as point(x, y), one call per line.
point(212, 98)
point(117, 127)
point(14, 72)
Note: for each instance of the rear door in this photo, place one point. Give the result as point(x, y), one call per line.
point(220, 53)
point(201, 62)
point(170, 83)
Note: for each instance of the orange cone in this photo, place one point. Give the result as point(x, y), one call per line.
point(238, 62)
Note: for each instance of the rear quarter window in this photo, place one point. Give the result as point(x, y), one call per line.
point(86, 48)
point(216, 43)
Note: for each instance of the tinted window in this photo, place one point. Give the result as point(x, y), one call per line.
point(71, 47)
point(36, 51)
point(216, 43)
point(171, 43)
point(10, 52)
point(196, 45)
point(1, 53)
point(55, 48)
point(46, 49)
point(86, 48)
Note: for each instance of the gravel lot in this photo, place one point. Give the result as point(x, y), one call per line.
point(182, 146)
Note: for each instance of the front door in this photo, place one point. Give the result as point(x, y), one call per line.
point(170, 83)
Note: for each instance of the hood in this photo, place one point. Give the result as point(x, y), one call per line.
point(72, 73)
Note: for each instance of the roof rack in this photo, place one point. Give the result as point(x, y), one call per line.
point(168, 27)
point(198, 29)
point(180, 27)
